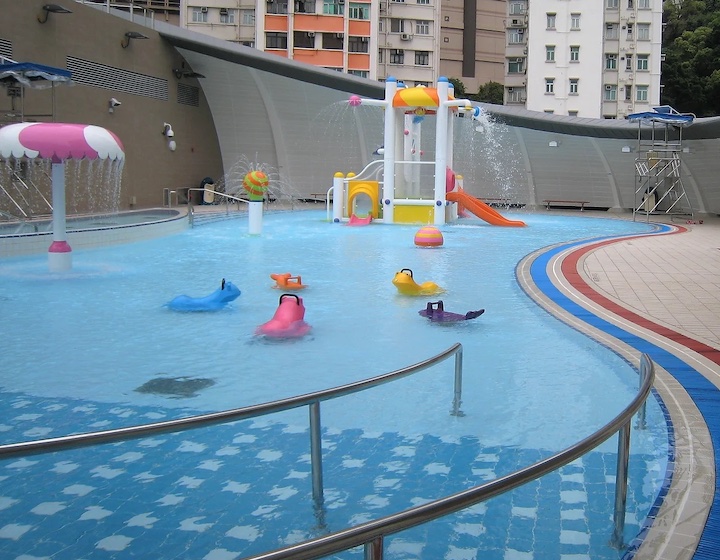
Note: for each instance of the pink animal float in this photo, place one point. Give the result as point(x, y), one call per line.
point(288, 321)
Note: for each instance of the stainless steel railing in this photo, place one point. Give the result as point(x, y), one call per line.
point(311, 400)
point(371, 535)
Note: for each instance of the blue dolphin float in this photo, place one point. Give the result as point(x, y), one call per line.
point(217, 300)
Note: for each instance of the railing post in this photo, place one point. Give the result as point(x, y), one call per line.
point(316, 454)
point(374, 549)
point(457, 393)
point(645, 366)
point(621, 485)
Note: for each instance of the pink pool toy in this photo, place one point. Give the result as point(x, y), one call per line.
point(288, 321)
point(59, 142)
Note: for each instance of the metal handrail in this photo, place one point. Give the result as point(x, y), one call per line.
point(371, 534)
point(311, 400)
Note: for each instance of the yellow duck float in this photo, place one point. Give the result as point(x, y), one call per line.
point(406, 285)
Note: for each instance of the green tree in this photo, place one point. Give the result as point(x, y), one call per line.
point(459, 87)
point(691, 43)
point(491, 92)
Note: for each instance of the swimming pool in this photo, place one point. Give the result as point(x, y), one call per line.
point(96, 348)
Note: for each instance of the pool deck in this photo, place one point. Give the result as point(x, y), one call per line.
point(665, 289)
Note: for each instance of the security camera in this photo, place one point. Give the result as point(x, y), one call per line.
point(167, 130)
point(112, 104)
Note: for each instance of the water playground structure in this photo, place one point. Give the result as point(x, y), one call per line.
point(288, 320)
point(411, 190)
point(59, 142)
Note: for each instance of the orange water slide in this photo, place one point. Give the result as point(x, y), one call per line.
point(482, 210)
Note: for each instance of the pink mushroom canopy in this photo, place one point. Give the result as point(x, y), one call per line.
point(59, 141)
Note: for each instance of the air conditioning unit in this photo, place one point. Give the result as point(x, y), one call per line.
point(516, 22)
point(525, 50)
point(204, 9)
point(223, 11)
point(608, 88)
point(311, 34)
point(364, 39)
point(405, 37)
point(339, 36)
point(510, 89)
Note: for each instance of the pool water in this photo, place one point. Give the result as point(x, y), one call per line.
point(95, 347)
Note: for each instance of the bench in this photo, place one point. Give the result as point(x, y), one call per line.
point(500, 201)
point(581, 203)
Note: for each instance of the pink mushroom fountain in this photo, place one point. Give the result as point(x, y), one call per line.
point(59, 142)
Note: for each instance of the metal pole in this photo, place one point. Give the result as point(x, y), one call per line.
point(644, 372)
point(316, 454)
point(457, 398)
point(621, 485)
point(374, 549)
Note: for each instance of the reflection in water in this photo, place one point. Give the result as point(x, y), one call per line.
point(175, 387)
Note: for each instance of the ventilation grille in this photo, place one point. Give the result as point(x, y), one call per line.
point(90, 73)
point(6, 48)
point(188, 95)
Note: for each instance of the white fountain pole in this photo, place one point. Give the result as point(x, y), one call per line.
point(60, 253)
point(255, 217)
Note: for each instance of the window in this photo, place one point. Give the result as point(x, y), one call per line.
point(643, 31)
point(628, 93)
point(610, 61)
point(422, 58)
point(516, 36)
point(612, 4)
point(641, 93)
point(610, 93)
point(549, 111)
point(550, 20)
point(517, 8)
point(427, 2)
point(276, 7)
point(611, 31)
point(628, 62)
point(332, 7)
point(422, 27)
point(397, 25)
point(631, 4)
point(644, 4)
point(642, 61)
point(248, 17)
point(549, 53)
point(516, 65)
point(275, 40)
point(333, 41)
point(572, 113)
point(358, 44)
point(199, 15)
point(227, 15)
point(358, 11)
point(574, 86)
point(304, 6)
point(630, 31)
point(549, 85)
point(575, 21)
point(397, 56)
point(514, 95)
point(574, 54)
point(361, 73)
point(303, 40)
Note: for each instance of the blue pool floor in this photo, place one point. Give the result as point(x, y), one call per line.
point(240, 489)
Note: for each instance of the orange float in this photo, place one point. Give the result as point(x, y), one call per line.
point(287, 281)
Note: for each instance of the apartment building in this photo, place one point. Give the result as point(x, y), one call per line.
point(407, 39)
point(571, 57)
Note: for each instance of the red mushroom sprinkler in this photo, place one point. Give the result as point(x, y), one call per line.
point(59, 142)
point(255, 184)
